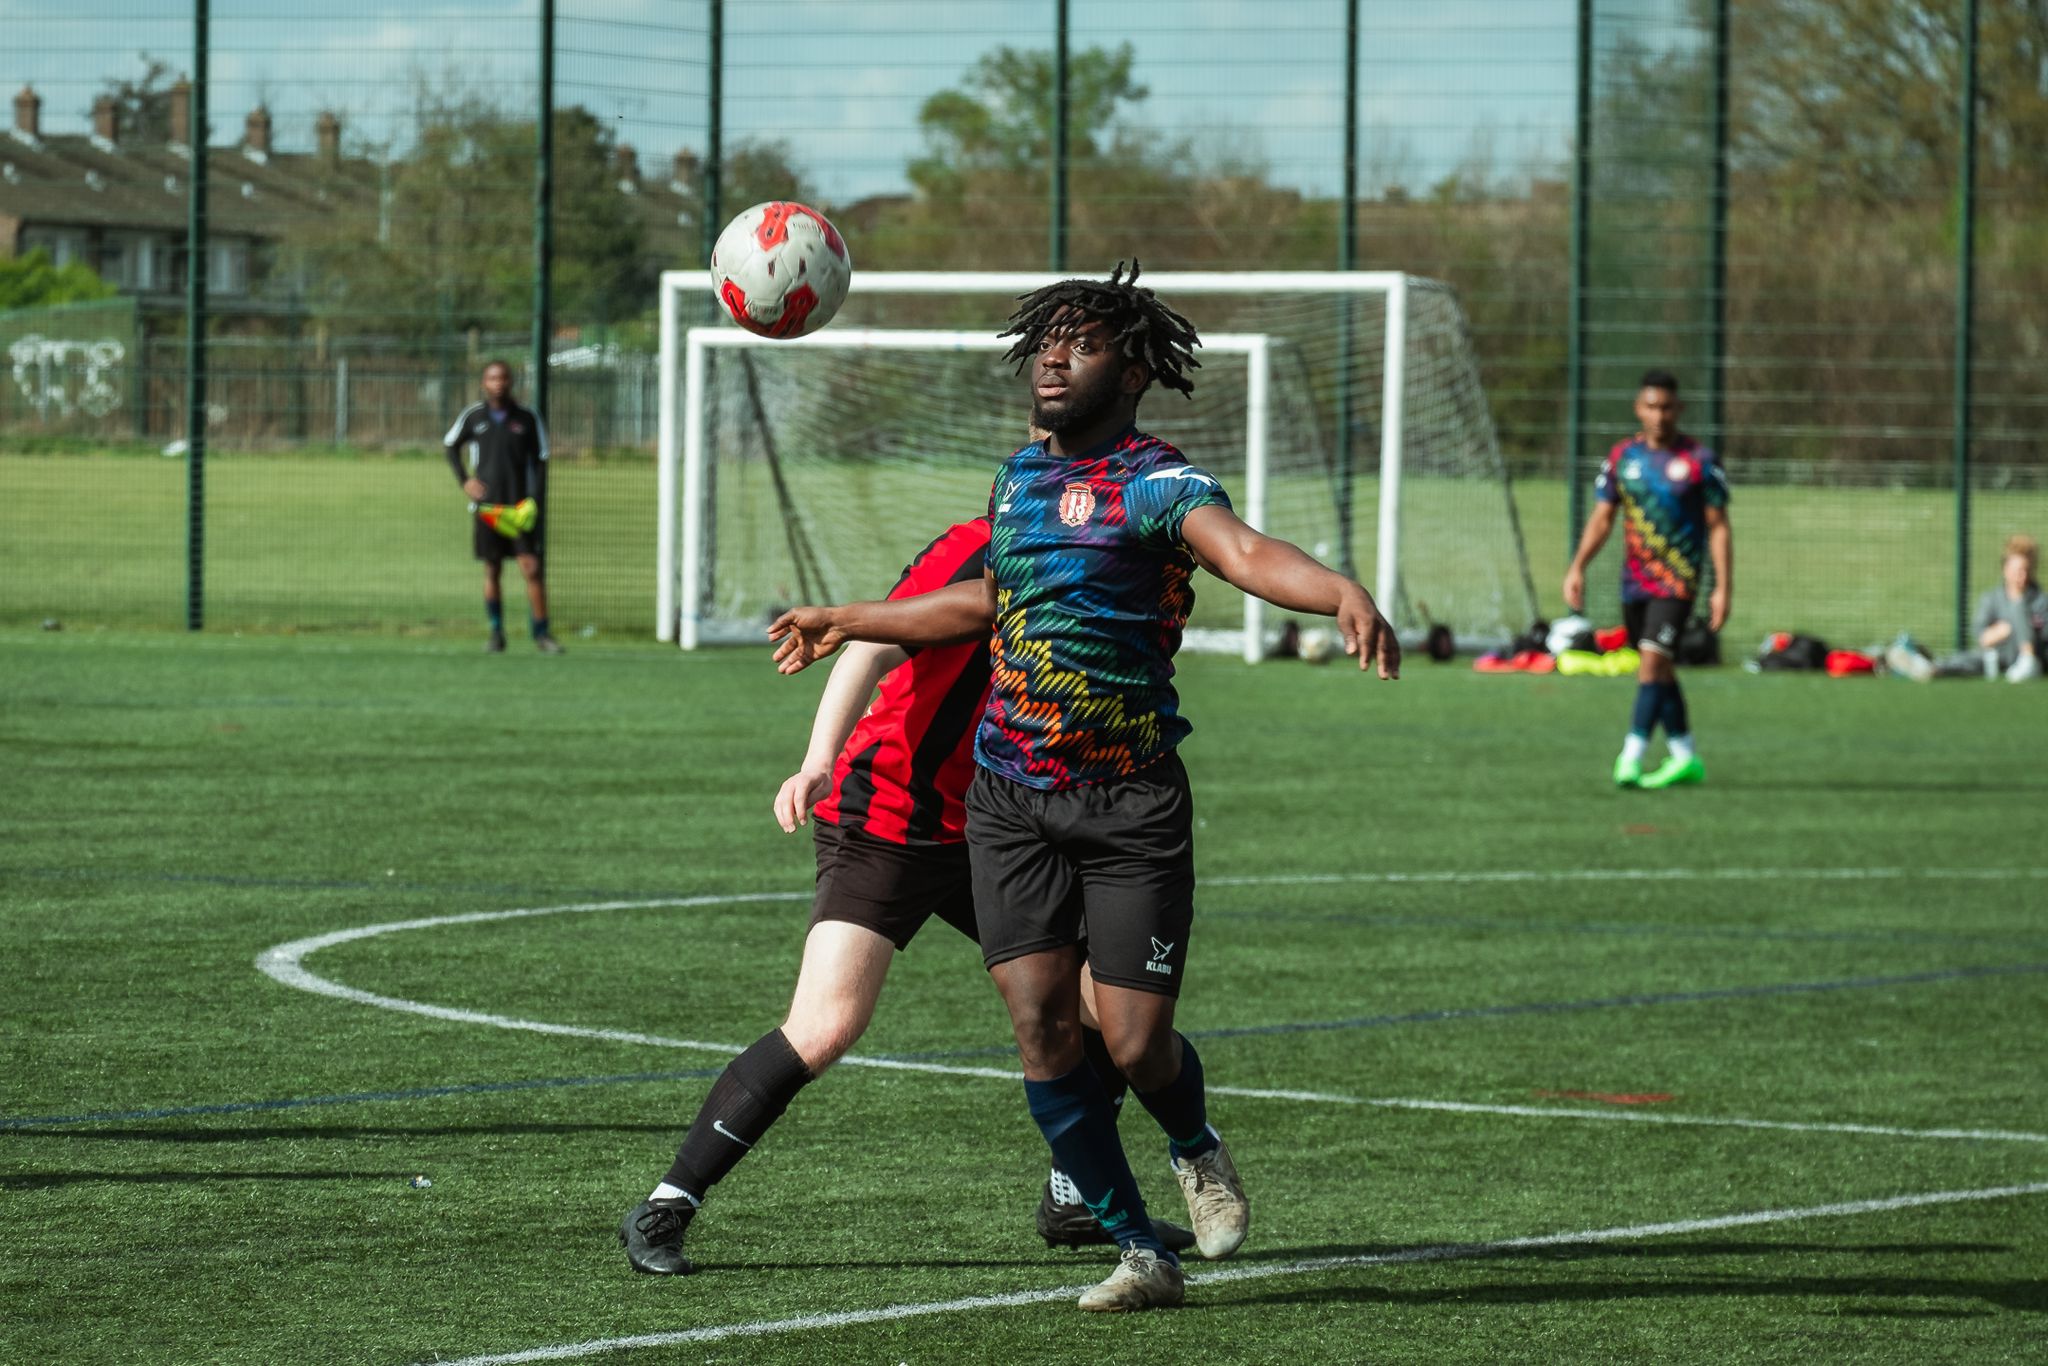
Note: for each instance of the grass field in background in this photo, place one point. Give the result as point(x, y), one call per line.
point(381, 543)
point(1421, 893)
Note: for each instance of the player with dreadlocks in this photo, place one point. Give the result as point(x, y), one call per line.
point(1080, 824)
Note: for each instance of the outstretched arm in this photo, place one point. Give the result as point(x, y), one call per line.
point(1287, 576)
point(945, 616)
point(1597, 528)
point(846, 697)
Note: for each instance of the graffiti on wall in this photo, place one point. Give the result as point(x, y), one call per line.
point(66, 377)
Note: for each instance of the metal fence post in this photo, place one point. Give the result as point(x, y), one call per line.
point(1966, 311)
point(1717, 242)
point(714, 133)
point(1575, 356)
point(195, 334)
point(1347, 259)
point(543, 214)
point(1056, 243)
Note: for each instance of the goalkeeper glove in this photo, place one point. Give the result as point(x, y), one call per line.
point(510, 519)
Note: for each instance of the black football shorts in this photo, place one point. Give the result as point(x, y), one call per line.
point(1656, 623)
point(493, 548)
point(1111, 865)
point(890, 888)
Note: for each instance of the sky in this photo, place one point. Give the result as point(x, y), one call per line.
point(1442, 82)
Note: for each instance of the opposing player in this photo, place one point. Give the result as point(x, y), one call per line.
point(886, 785)
point(499, 452)
point(1080, 821)
point(1672, 498)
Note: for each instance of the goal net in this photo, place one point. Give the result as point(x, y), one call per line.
point(1342, 411)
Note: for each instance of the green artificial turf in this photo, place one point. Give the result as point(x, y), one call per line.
point(199, 1163)
point(352, 542)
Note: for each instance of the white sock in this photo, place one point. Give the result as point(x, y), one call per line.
point(1679, 745)
point(665, 1191)
point(1064, 1191)
point(1634, 746)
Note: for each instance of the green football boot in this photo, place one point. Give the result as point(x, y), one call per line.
point(1676, 773)
point(1627, 772)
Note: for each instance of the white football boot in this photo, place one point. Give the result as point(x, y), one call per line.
point(1142, 1280)
point(1217, 1206)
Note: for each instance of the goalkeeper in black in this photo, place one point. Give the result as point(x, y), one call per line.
point(499, 452)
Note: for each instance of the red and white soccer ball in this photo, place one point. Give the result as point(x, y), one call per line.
point(781, 269)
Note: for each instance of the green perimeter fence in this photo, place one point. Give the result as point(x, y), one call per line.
point(1825, 215)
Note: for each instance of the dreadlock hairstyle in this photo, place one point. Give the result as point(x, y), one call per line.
point(1139, 325)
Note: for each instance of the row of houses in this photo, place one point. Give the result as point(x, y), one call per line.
point(117, 203)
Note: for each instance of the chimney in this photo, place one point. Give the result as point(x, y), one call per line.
point(626, 162)
point(181, 113)
point(28, 113)
point(684, 171)
point(327, 131)
point(256, 134)
point(106, 120)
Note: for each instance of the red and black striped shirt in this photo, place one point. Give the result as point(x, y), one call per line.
point(904, 772)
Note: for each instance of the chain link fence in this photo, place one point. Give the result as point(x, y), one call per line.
point(1770, 199)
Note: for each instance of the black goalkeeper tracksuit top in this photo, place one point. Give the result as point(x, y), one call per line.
point(510, 457)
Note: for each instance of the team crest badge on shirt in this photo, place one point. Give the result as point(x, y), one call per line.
point(1077, 504)
point(1679, 471)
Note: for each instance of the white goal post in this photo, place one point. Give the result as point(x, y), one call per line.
point(688, 447)
point(681, 618)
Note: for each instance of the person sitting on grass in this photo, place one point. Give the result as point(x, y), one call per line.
point(2011, 625)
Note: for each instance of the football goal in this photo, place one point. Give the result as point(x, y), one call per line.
point(1342, 411)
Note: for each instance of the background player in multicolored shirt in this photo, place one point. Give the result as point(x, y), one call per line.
point(1080, 822)
point(1672, 498)
point(886, 783)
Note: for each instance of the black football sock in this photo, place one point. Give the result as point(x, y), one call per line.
point(1080, 1127)
point(1672, 713)
point(1649, 706)
point(748, 1097)
point(1114, 1082)
point(1182, 1107)
point(494, 612)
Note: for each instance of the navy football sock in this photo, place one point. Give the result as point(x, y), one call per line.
point(1672, 713)
point(1649, 703)
point(1182, 1108)
point(1114, 1082)
point(494, 610)
point(749, 1096)
point(1079, 1124)
point(540, 626)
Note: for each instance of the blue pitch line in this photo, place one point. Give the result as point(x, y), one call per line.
point(304, 884)
point(1660, 998)
point(1460, 922)
point(238, 1107)
point(1241, 1031)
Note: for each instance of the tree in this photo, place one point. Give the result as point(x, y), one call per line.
point(442, 242)
point(1000, 116)
point(31, 281)
point(144, 105)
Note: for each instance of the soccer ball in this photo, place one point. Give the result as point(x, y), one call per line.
point(781, 269)
point(1318, 645)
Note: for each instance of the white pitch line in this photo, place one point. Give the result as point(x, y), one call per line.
point(1707, 1121)
point(1440, 1252)
point(285, 964)
point(1633, 875)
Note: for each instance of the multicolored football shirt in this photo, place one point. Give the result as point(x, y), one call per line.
point(1092, 592)
point(1664, 497)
